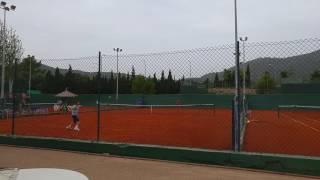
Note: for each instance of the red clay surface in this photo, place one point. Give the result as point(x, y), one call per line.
point(198, 128)
point(295, 132)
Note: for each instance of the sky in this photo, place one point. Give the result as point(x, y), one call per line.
point(76, 28)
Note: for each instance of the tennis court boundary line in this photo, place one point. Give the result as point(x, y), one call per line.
point(302, 124)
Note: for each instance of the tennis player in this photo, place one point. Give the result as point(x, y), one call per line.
point(75, 117)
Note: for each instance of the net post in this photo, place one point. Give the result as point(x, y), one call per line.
point(151, 109)
point(99, 97)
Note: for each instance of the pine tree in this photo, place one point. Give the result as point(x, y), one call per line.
point(162, 76)
point(69, 80)
point(216, 80)
point(133, 73)
point(227, 78)
point(248, 76)
point(162, 83)
point(233, 78)
point(58, 81)
point(112, 83)
point(206, 83)
point(128, 77)
point(170, 76)
point(48, 86)
point(170, 83)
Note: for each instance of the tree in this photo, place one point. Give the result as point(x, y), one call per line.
point(128, 77)
point(149, 86)
point(155, 78)
point(232, 78)
point(315, 76)
point(227, 78)
point(178, 86)
point(216, 80)
point(162, 75)
point(37, 74)
point(248, 76)
point(170, 84)
point(162, 84)
point(265, 83)
point(155, 81)
point(170, 76)
point(69, 79)
point(48, 87)
point(13, 51)
point(140, 85)
point(284, 74)
point(206, 83)
point(241, 77)
point(133, 73)
point(128, 84)
point(112, 83)
point(58, 81)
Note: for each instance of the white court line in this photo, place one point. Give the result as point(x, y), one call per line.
point(303, 124)
point(311, 119)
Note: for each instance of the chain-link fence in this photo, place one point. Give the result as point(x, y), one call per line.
point(181, 98)
point(284, 111)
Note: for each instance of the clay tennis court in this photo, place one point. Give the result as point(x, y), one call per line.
point(294, 132)
point(197, 128)
point(98, 167)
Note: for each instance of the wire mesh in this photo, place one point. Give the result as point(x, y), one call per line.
point(283, 74)
point(273, 74)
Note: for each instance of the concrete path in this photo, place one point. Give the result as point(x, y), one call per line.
point(98, 167)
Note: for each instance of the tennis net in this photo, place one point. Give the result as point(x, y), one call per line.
point(155, 107)
point(299, 109)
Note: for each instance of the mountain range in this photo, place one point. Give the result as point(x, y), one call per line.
point(298, 68)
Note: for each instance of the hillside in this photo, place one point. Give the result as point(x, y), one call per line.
point(64, 71)
point(299, 68)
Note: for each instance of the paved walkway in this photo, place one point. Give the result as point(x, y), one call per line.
point(98, 167)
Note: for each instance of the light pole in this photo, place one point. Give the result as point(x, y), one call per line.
point(243, 40)
point(117, 50)
point(5, 9)
point(237, 131)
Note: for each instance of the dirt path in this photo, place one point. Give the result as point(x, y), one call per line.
point(98, 167)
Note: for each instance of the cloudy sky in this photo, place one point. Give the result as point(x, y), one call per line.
point(74, 28)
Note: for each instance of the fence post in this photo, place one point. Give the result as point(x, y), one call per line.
point(14, 98)
point(237, 100)
point(99, 97)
